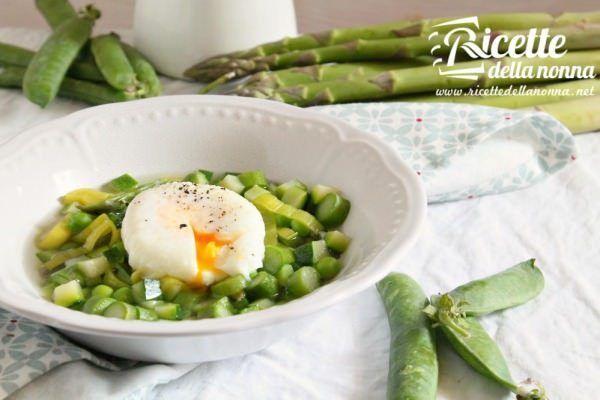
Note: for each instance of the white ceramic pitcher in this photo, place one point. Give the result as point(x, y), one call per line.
point(175, 34)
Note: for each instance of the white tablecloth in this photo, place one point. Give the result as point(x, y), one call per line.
point(343, 355)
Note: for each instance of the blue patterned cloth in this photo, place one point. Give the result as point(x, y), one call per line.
point(460, 151)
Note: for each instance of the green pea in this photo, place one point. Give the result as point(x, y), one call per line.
point(113, 63)
point(413, 371)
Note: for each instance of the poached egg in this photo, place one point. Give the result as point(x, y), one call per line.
point(199, 234)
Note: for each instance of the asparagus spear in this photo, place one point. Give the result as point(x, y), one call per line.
point(515, 21)
point(415, 80)
point(577, 37)
point(556, 92)
point(320, 73)
point(579, 115)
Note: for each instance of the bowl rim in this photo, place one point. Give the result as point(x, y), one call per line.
point(383, 262)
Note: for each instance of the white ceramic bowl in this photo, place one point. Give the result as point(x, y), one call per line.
point(177, 134)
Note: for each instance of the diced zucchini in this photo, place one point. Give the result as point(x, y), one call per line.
point(328, 267)
point(199, 177)
point(68, 294)
point(233, 183)
point(284, 187)
point(241, 303)
point(170, 311)
point(123, 294)
point(258, 305)
point(282, 221)
point(295, 197)
point(116, 253)
point(102, 291)
point(188, 299)
point(263, 286)
point(97, 305)
point(276, 256)
point(215, 308)
point(303, 281)
point(146, 315)
point(121, 310)
point(171, 287)
point(146, 289)
point(289, 237)
point(311, 252)
point(122, 272)
point(253, 178)
point(229, 286)
point(337, 241)
point(318, 192)
point(93, 267)
point(123, 183)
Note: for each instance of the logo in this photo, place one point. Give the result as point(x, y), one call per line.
point(498, 55)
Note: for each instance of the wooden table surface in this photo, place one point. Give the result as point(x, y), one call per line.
point(315, 15)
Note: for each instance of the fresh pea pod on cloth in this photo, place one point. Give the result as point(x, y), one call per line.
point(49, 65)
point(413, 372)
point(114, 64)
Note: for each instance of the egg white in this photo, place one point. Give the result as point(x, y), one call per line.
point(159, 228)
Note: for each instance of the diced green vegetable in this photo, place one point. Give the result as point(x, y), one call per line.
point(337, 241)
point(289, 237)
point(102, 291)
point(111, 280)
point(253, 178)
point(318, 192)
point(332, 210)
point(284, 187)
point(215, 308)
point(146, 289)
point(121, 310)
point(78, 221)
point(122, 272)
point(45, 255)
point(123, 183)
point(48, 290)
point(123, 294)
point(282, 221)
point(170, 311)
point(116, 253)
point(117, 217)
point(263, 286)
point(295, 197)
point(187, 299)
point(233, 183)
point(302, 230)
point(328, 267)
point(87, 292)
point(311, 252)
point(97, 305)
point(145, 314)
point(229, 286)
point(198, 177)
point(258, 305)
point(68, 294)
point(276, 256)
point(241, 303)
point(283, 275)
point(171, 287)
point(270, 227)
point(65, 275)
point(303, 281)
point(93, 267)
point(266, 200)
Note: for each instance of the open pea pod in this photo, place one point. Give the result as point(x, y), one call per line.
point(474, 345)
point(509, 288)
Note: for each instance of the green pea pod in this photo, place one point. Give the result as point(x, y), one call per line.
point(88, 92)
point(113, 63)
point(506, 289)
point(49, 65)
point(413, 369)
point(56, 12)
point(144, 70)
point(470, 340)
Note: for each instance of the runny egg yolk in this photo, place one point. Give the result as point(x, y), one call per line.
point(207, 250)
